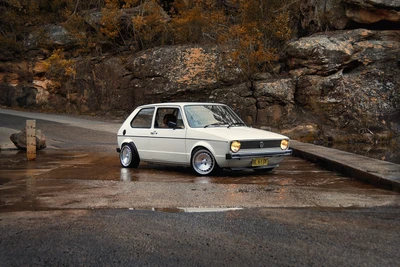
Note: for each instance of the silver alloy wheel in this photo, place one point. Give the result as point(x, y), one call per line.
point(125, 156)
point(203, 162)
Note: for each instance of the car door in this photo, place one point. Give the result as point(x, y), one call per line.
point(167, 141)
point(140, 131)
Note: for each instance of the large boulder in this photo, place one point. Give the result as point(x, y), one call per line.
point(239, 97)
point(349, 78)
point(99, 85)
point(19, 139)
point(326, 53)
point(275, 100)
point(23, 85)
point(317, 15)
point(372, 11)
point(52, 36)
point(179, 72)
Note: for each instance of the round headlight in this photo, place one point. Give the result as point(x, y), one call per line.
point(235, 146)
point(284, 144)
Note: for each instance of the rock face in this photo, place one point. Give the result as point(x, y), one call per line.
point(320, 15)
point(372, 11)
point(178, 72)
point(345, 77)
point(93, 17)
point(51, 36)
point(19, 139)
point(349, 76)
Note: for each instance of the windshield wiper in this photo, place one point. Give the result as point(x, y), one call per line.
point(236, 123)
point(216, 124)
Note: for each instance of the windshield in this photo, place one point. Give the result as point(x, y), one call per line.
point(203, 116)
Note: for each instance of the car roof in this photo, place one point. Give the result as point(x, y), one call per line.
point(181, 104)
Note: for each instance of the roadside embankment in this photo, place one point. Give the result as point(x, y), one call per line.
point(380, 173)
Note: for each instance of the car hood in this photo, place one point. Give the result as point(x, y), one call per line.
point(224, 133)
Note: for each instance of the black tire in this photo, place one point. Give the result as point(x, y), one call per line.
point(129, 157)
point(203, 162)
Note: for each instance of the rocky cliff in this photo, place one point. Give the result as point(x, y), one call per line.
point(342, 79)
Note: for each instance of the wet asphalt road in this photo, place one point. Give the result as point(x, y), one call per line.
point(251, 237)
point(75, 205)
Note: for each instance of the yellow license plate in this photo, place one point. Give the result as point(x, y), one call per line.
point(259, 162)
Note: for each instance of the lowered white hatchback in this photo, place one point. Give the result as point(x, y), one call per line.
point(204, 136)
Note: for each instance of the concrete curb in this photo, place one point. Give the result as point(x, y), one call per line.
point(380, 173)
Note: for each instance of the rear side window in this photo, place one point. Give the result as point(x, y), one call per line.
point(143, 119)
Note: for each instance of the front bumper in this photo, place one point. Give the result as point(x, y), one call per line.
point(258, 154)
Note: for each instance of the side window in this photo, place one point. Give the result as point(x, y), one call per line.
point(168, 118)
point(143, 119)
point(179, 122)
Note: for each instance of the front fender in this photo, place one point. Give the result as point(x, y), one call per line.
point(217, 148)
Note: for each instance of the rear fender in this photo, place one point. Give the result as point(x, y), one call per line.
point(123, 141)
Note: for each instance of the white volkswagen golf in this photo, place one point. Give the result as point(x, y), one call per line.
point(203, 136)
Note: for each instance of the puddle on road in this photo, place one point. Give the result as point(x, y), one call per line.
point(189, 209)
point(24, 183)
point(105, 166)
point(194, 210)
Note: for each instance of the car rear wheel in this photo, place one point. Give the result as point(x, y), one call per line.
point(203, 162)
point(128, 156)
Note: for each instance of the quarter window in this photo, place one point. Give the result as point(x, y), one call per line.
point(143, 119)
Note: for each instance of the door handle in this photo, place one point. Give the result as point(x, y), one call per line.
point(153, 133)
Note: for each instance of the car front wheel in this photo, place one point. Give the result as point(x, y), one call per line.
point(203, 162)
point(128, 156)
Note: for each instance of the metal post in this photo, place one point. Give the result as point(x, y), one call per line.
point(31, 139)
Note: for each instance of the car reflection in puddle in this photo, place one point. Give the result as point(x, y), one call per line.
point(65, 179)
point(105, 166)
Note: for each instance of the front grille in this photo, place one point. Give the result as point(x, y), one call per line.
point(256, 144)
